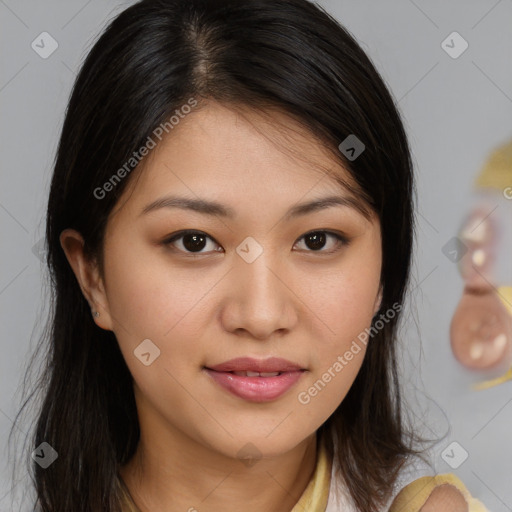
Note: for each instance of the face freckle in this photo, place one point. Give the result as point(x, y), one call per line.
point(266, 293)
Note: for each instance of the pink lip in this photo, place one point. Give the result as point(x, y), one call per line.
point(241, 364)
point(256, 389)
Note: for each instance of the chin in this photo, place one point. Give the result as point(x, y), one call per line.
point(260, 445)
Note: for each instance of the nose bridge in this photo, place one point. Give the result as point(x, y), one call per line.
point(261, 297)
point(260, 283)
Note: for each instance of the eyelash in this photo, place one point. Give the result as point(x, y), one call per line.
point(342, 241)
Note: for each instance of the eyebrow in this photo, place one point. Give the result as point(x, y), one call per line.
point(217, 209)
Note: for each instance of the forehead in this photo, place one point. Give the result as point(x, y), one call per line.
point(235, 153)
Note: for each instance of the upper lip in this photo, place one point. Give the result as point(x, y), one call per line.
point(272, 364)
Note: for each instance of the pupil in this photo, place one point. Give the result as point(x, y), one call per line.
point(318, 240)
point(198, 242)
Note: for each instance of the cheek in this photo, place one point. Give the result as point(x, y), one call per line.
point(154, 302)
point(344, 301)
point(345, 308)
point(337, 357)
point(344, 298)
point(327, 386)
point(147, 297)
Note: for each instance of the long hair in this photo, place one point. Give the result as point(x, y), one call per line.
point(150, 60)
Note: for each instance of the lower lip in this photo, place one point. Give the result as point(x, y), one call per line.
point(256, 389)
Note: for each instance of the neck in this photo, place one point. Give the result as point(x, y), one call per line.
point(183, 475)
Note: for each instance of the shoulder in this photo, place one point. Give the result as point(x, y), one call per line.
point(439, 493)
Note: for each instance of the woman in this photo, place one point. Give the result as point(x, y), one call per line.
point(229, 236)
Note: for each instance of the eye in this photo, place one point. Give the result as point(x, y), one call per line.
point(316, 240)
point(193, 241)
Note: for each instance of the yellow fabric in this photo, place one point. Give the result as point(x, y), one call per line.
point(316, 494)
point(497, 172)
point(413, 496)
point(410, 499)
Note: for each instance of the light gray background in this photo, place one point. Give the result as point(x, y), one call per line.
point(455, 110)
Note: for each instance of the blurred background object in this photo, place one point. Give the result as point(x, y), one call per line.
point(481, 328)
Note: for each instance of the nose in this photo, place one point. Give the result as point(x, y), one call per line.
point(261, 300)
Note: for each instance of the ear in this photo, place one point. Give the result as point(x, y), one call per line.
point(378, 301)
point(87, 275)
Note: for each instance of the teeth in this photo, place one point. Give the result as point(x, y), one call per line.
point(256, 374)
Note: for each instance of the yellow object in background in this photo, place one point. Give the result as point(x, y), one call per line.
point(505, 293)
point(497, 172)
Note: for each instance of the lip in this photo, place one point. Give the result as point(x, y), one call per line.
point(256, 389)
point(272, 364)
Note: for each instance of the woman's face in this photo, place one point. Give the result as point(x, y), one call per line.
point(250, 284)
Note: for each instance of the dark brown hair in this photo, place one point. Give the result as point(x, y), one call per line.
point(284, 54)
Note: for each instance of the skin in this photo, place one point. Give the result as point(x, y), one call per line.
point(445, 498)
point(293, 301)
